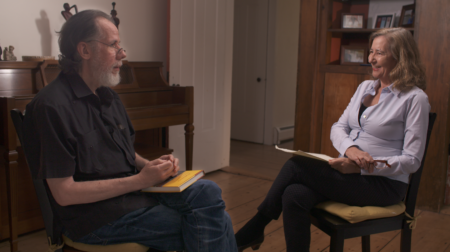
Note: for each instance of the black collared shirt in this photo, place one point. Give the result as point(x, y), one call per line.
point(71, 132)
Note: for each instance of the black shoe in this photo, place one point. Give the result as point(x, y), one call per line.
point(255, 244)
point(154, 250)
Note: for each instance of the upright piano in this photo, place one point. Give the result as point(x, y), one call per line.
point(151, 104)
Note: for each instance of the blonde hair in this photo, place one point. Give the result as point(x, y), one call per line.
point(409, 71)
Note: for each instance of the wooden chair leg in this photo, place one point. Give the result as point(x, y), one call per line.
point(12, 198)
point(365, 241)
point(337, 242)
point(189, 138)
point(405, 240)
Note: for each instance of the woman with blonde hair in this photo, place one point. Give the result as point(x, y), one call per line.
point(381, 140)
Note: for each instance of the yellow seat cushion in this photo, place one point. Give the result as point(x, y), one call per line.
point(129, 247)
point(355, 214)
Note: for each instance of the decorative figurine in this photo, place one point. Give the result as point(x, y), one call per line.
point(66, 12)
point(6, 54)
point(11, 54)
point(114, 15)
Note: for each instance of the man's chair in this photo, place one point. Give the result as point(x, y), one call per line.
point(58, 242)
point(339, 229)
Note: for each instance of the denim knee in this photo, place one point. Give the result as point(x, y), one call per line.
point(208, 191)
point(207, 186)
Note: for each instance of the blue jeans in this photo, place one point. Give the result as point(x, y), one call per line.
point(194, 220)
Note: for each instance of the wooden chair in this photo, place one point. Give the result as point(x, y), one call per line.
point(52, 227)
point(339, 229)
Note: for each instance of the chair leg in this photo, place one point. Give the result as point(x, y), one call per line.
point(337, 242)
point(405, 243)
point(365, 241)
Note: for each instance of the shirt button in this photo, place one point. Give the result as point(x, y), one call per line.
point(364, 116)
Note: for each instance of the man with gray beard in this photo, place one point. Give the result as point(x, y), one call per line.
point(79, 139)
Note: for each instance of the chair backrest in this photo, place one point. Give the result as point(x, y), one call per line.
point(53, 230)
point(414, 182)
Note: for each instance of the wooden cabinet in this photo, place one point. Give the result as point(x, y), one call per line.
point(324, 87)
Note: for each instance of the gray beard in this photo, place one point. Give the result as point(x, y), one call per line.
point(107, 79)
point(104, 76)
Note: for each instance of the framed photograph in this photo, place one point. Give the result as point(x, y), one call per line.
point(353, 55)
point(384, 21)
point(352, 20)
point(407, 16)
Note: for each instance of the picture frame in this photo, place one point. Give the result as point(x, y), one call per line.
point(385, 20)
point(407, 16)
point(352, 21)
point(353, 55)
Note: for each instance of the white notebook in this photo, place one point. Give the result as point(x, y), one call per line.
point(321, 157)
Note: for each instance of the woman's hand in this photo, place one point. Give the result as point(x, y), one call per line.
point(361, 158)
point(344, 165)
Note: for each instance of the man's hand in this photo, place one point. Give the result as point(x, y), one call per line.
point(155, 172)
point(344, 165)
point(361, 158)
point(174, 161)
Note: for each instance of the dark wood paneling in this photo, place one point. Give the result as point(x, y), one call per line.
point(339, 89)
point(322, 53)
point(305, 73)
point(433, 38)
point(345, 69)
point(147, 78)
point(15, 79)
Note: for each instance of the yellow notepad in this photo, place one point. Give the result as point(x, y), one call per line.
point(178, 183)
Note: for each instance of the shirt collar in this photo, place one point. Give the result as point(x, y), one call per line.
point(81, 89)
point(394, 90)
point(389, 89)
point(105, 95)
point(78, 85)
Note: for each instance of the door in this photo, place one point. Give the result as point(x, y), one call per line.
point(201, 43)
point(249, 70)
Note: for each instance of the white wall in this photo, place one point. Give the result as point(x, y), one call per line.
point(30, 26)
point(282, 54)
point(286, 54)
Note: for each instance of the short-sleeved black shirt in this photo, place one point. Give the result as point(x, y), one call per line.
point(69, 131)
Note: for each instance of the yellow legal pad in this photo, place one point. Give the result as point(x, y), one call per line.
point(178, 183)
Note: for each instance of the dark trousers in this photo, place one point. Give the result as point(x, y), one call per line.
point(303, 183)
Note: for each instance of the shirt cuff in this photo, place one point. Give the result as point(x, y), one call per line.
point(347, 143)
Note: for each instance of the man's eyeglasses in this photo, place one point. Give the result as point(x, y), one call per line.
point(381, 164)
point(114, 45)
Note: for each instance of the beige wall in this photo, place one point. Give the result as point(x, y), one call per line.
point(286, 53)
point(30, 26)
point(282, 53)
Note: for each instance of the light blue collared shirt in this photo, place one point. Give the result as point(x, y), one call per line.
point(394, 130)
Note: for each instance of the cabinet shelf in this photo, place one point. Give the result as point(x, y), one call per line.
point(350, 69)
point(352, 30)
